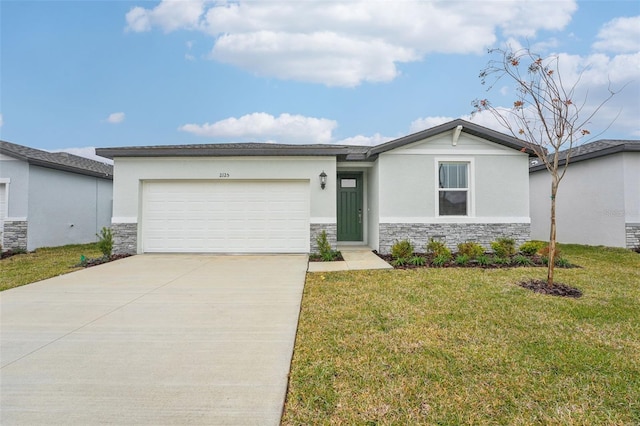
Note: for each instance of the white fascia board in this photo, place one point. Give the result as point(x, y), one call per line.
point(457, 152)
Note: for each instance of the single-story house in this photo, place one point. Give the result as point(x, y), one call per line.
point(51, 199)
point(455, 182)
point(598, 201)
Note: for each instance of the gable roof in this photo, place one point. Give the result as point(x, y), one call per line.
point(594, 149)
point(342, 152)
point(57, 160)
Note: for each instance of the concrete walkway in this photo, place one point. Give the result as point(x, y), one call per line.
point(152, 339)
point(355, 258)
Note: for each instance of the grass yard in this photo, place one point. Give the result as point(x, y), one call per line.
point(468, 346)
point(42, 264)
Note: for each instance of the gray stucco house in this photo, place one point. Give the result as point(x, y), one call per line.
point(51, 199)
point(598, 200)
point(456, 182)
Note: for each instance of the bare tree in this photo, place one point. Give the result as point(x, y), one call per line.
point(544, 116)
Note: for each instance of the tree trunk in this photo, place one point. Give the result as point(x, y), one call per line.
point(552, 234)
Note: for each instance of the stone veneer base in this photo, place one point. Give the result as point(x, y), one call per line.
point(632, 234)
point(14, 235)
point(125, 238)
point(451, 234)
point(317, 228)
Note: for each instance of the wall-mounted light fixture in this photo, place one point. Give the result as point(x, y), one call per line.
point(323, 179)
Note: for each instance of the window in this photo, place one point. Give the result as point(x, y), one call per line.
point(453, 189)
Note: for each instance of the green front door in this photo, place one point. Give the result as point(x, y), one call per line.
point(350, 215)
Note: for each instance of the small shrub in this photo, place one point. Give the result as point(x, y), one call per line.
point(327, 254)
point(483, 260)
point(470, 249)
point(418, 261)
point(562, 262)
point(440, 260)
point(522, 260)
point(462, 259)
point(399, 261)
point(530, 248)
point(501, 260)
point(544, 252)
point(402, 250)
point(105, 241)
point(504, 247)
point(438, 248)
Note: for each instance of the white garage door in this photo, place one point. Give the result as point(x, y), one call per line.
point(226, 216)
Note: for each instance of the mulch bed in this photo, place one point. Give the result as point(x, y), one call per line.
point(536, 261)
point(557, 289)
point(87, 263)
point(318, 258)
point(10, 253)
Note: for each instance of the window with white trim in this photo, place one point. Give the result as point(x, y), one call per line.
point(453, 188)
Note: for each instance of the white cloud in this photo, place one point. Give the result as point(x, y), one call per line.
point(427, 123)
point(263, 127)
point(116, 117)
point(620, 35)
point(376, 139)
point(86, 152)
point(345, 43)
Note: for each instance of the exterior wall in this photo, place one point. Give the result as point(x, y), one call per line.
point(129, 173)
point(373, 200)
point(15, 177)
point(451, 234)
point(499, 192)
point(125, 238)
point(590, 206)
point(66, 208)
point(632, 198)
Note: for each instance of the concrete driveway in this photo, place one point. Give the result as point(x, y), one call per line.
point(152, 339)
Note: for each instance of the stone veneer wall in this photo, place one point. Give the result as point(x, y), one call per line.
point(332, 234)
point(14, 235)
point(451, 234)
point(632, 233)
point(125, 238)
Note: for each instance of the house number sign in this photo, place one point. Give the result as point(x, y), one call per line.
point(224, 175)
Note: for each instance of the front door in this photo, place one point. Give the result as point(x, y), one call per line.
point(350, 215)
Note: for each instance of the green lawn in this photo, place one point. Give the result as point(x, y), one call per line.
point(42, 264)
point(468, 346)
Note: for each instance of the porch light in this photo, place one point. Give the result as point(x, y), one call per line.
point(323, 179)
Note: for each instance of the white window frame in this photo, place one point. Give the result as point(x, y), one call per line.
point(471, 205)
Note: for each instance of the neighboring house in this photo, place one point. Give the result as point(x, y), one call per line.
point(598, 200)
point(455, 182)
point(51, 199)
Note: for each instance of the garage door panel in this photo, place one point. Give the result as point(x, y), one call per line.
point(226, 216)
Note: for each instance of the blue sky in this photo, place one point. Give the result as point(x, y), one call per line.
point(81, 74)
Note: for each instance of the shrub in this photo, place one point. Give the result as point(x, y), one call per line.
point(562, 262)
point(399, 261)
point(326, 253)
point(462, 259)
point(402, 249)
point(438, 248)
point(417, 261)
point(544, 252)
point(530, 248)
point(470, 249)
point(105, 241)
point(483, 260)
point(441, 260)
point(501, 260)
point(522, 260)
point(504, 247)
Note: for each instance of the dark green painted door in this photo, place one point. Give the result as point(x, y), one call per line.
point(350, 215)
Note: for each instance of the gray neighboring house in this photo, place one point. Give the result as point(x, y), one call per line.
point(51, 199)
point(455, 182)
point(598, 199)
